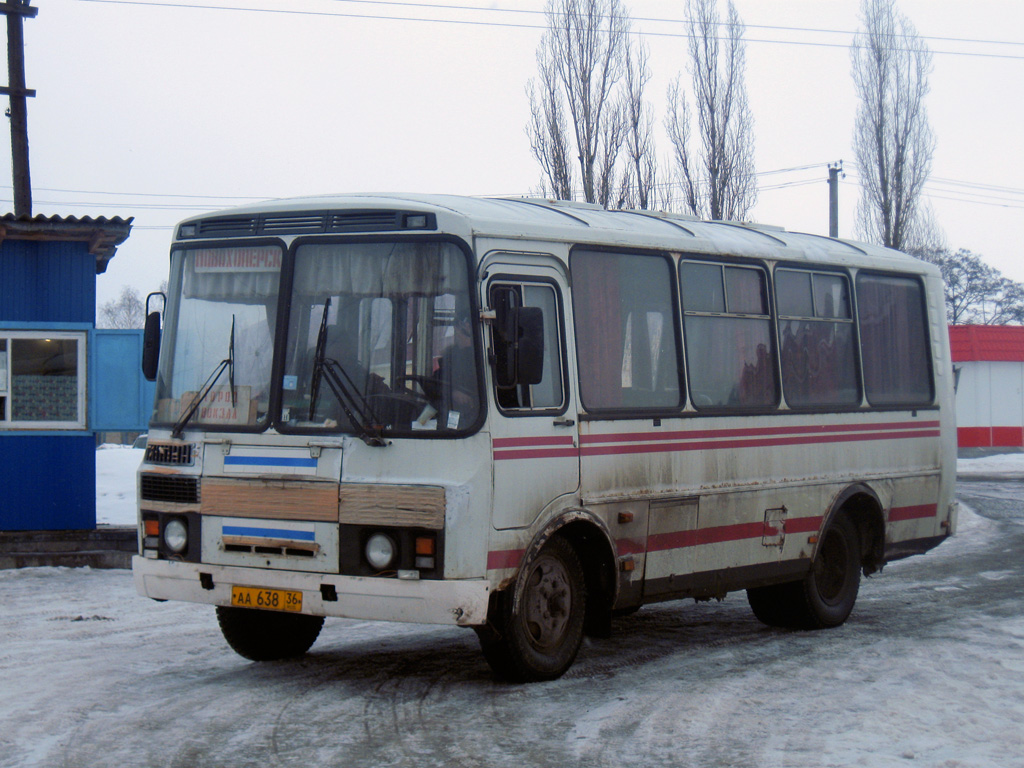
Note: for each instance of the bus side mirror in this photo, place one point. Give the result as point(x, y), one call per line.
point(530, 357)
point(151, 341)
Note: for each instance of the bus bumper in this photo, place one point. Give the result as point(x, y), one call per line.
point(462, 602)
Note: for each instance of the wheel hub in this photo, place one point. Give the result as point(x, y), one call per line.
point(547, 602)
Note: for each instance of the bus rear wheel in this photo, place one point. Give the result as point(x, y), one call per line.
point(268, 635)
point(826, 595)
point(539, 638)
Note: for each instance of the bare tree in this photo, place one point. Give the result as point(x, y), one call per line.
point(639, 175)
point(718, 180)
point(976, 293)
point(124, 312)
point(580, 60)
point(892, 140)
point(549, 138)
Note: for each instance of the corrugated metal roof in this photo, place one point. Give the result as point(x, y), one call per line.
point(103, 235)
point(986, 343)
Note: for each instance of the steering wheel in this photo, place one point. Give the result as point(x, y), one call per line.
point(431, 387)
point(401, 406)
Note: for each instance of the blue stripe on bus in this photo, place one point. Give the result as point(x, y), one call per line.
point(268, 533)
point(269, 461)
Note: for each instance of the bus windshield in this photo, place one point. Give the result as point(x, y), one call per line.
point(220, 326)
point(380, 340)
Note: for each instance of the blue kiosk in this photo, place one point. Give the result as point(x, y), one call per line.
point(61, 379)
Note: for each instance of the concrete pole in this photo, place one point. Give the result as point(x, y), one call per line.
point(833, 198)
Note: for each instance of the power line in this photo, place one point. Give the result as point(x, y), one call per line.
point(153, 194)
point(934, 189)
point(656, 20)
point(511, 25)
point(977, 193)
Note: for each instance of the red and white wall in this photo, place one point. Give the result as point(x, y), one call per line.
point(990, 393)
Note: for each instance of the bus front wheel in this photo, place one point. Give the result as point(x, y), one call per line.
point(268, 635)
point(825, 596)
point(538, 639)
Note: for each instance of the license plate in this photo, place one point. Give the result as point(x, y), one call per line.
point(266, 599)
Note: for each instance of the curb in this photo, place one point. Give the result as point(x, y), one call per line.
point(105, 547)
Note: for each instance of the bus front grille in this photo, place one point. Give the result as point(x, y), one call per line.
point(174, 489)
point(170, 453)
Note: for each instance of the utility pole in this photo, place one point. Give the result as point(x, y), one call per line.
point(833, 198)
point(15, 11)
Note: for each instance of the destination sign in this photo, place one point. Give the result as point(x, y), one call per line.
point(252, 258)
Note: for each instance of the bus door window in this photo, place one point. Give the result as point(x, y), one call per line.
point(515, 391)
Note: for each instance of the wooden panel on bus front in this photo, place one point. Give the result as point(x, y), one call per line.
point(270, 499)
point(415, 506)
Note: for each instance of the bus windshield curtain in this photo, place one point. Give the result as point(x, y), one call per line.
point(600, 328)
point(379, 269)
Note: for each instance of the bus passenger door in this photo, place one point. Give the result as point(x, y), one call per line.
point(533, 423)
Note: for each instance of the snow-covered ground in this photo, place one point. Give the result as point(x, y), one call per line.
point(928, 671)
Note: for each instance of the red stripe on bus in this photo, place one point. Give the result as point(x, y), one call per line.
point(508, 558)
point(660, 542)
point(708, 445)
point(626, 437)
point(519, 442)
point(537, 453)
point(803, 524)
point(630, 546)
point(751, 443)
point(918, 512)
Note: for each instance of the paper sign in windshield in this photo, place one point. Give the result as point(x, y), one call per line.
point(216, 407)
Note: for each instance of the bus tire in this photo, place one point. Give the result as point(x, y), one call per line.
point(539, 640)
point(825, 597)
point(773, 605)
point(268, 635)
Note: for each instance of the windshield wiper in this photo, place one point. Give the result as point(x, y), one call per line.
point(341, 385)
point(227, 363)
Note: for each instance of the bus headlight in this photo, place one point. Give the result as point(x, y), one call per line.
point(380, 551)
point(176, 536)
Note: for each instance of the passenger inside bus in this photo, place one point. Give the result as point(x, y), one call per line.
point(456, 378)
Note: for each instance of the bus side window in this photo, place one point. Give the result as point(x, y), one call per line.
point(527, 347)
point(816, 339)
point(625, 333)
point(729, 346)
point(894, 340)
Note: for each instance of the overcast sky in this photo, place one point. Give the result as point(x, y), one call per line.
point(167, 108)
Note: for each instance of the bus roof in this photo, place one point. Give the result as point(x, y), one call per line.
point(572, 222)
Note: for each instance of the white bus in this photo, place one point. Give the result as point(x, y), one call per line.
point(529, 416)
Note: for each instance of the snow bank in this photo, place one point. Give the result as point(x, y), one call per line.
point(1004, 465)
point(116, 496)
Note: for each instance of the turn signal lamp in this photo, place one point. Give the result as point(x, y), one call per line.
point(424, 545)
point(425, 548)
